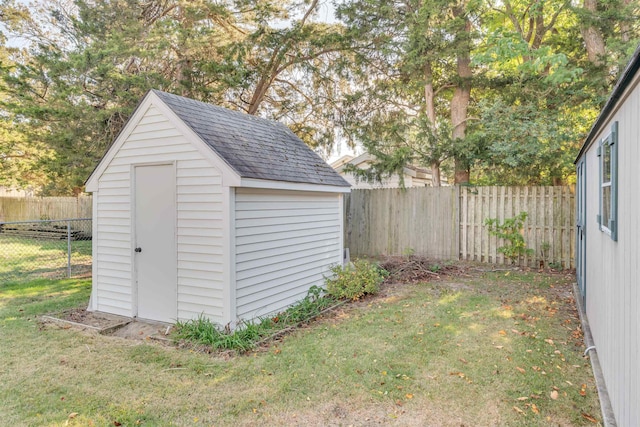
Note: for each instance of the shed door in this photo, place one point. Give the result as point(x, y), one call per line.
point(581, 244)
point(155, 250)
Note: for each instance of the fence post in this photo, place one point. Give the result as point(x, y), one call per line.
point(69, 249)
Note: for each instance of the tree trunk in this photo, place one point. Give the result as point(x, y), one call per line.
point(430, 106)
point(430, 111)
point(460, 101)
point(592, 37)
point(435, 174)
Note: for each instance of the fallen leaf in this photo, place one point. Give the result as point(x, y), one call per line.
point(554, 395)
point(583, 390)
point(589, 417)
point(518, 410)
point(534, 408)
point(463, 360)
point(523, 398)
point(73, 415)
point(117, 424)
point(549, 341)
point(502, 332)
point(515, 331)
point(409, 396)
point(522, 371)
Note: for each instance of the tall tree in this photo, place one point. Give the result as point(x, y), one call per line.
point(19, 159)
point(415, 80)
point(87, 64)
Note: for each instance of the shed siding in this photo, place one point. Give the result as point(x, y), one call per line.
point(613, 269)
point(285, 242)
point(199, 221)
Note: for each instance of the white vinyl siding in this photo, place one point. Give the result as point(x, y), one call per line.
point(285, 242)
point(199, 221)
point(613, 268)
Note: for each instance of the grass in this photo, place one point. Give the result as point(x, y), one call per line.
point(24, 259)
point(480, 349)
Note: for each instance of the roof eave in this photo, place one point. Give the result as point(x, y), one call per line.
point(295, 186)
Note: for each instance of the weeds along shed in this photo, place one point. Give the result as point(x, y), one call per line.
point(202, 210)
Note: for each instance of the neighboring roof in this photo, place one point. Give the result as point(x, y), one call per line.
point(252, 146)
point(341, 161)
point(625, 79)
point(365, 158)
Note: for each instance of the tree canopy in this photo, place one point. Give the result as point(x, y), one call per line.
point(492, 92)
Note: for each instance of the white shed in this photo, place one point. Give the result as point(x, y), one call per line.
point(608, 247)
point(202, 210)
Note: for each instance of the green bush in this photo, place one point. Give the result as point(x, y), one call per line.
point(510, 231)
point(356, 280)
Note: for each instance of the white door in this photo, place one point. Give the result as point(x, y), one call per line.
point(155, 242)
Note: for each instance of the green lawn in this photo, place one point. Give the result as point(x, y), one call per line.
point(24, 259)
point(479, 349)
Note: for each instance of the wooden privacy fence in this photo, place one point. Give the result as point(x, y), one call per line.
point(449, 222)
point(41, 208)
point(392, 221)
point(549, 229)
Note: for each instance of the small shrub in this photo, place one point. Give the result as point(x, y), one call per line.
point(509, 231)
point(355, 281)
point(434, 268)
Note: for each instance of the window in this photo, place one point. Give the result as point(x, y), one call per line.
point(608, 153)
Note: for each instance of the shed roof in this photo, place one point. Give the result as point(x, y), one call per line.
point(254, 147)
point(623, 82)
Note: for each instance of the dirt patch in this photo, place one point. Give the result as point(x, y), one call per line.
point(139, 330)
point(111, 324)
point(104, 323)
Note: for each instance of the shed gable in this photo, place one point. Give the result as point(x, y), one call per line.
point(199, 229)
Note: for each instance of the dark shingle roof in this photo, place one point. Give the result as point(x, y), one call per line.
point(252, 146)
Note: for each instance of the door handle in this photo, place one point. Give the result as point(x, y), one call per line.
point(138, 250)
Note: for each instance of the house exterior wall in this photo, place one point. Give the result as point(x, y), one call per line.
point(285, 242)
point(391, 182)
point(613, 268)
point(199, 228)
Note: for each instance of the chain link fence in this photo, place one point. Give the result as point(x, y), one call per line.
point(51, 249)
